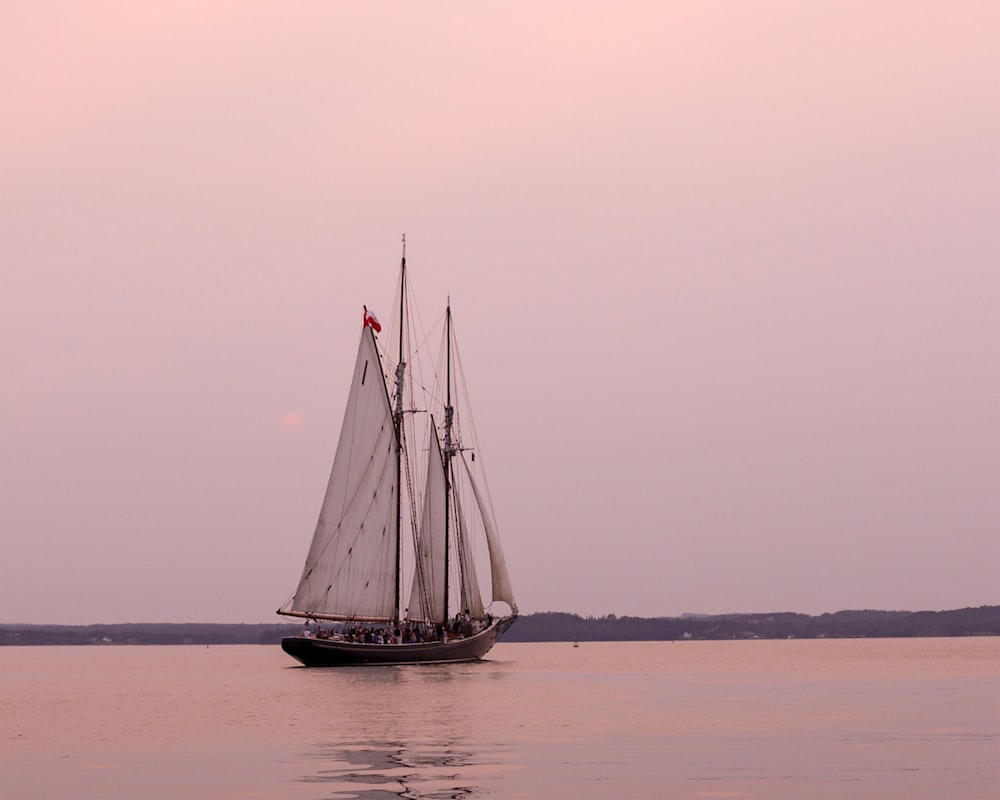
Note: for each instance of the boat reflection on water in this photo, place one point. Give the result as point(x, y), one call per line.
point(383, 770)
point(405, 731)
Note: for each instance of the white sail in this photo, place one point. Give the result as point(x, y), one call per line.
point(427, 594)
point(350, 571)
point(502, 589)
point(472, 598)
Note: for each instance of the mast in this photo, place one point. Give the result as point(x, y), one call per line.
point(397, 422)
point(449, 449)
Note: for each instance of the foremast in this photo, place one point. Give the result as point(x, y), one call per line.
point(397, 423)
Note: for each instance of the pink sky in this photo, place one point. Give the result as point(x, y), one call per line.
point(726, 277)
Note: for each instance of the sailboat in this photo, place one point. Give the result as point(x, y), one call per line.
point(404, 427)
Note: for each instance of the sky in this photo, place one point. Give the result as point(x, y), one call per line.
point(726, 274)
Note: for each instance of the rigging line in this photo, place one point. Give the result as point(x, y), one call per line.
point(417, 353)
point(432, 392)
point(420, 340)
point(427, 388)
point(416, 323)
point(474, 433)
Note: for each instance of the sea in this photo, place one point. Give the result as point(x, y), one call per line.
point(851, 719)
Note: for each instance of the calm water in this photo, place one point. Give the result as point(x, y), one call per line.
point(915, 719)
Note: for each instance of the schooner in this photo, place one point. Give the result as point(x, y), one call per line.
point(391, 575)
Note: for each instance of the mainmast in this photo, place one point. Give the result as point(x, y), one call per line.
point(397, 422)
point(448, 451)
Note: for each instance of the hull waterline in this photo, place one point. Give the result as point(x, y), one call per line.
point(313, 652)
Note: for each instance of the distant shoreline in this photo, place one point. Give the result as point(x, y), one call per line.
point(553, 626)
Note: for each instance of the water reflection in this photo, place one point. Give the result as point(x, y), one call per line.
point(405, 731)
point(380, 770)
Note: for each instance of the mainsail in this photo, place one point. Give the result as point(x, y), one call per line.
point(427, 597)
point(350, 571)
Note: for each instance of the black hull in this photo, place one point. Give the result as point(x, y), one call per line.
point(314, 652)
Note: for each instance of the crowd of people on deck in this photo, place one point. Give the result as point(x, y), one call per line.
point(405, 632)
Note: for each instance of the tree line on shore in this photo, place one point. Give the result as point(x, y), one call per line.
point(981, 621)
point(562, 627)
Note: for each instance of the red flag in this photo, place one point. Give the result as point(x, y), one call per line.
point(371, 321)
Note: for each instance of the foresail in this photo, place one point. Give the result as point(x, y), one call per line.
point(502, 589)
point(427, 594)
point(350, 569)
